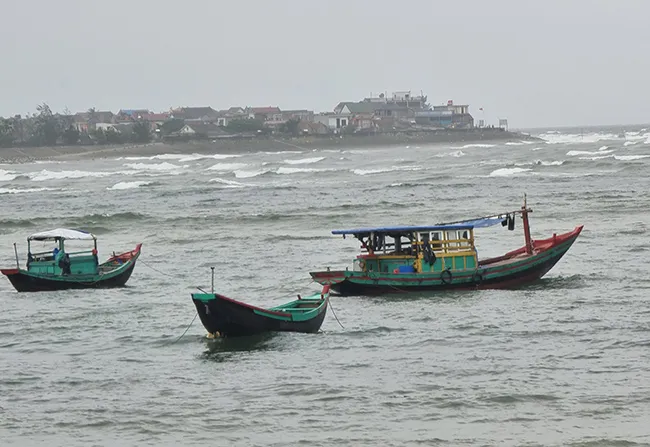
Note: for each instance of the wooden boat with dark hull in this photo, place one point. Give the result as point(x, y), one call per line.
point(62, 270)
point(443, 257)
point(225, 317)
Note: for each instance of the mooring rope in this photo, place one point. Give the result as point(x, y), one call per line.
point(334, 313)
point(186, 329)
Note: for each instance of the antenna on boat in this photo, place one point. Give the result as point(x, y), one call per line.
point(16, 251)
point(212, 268)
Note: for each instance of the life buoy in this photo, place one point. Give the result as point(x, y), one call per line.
point(446, 277)
point(477, 277)
point(362, 265)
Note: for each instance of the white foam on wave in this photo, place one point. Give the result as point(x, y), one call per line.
point(519, 143)
point(549, 163)
point(181, 157)
point(384, 170)
point(46, 175)
point(541, 163)
point(283, 152)
point(468, 146)
point(597, 157)
point(127, 185)
point(598, 153)
point(456, 154)
point(371, 171)
point(287, 170)
point(249, 174)
point(7, 176)
point(227, 166)
point(304, 161)
point(629, 143)
point(24, 190)
point(194, 157)
point(560, 138)
point(157, 167)
point(630, 157)
point(227, 183)
point(507, 172)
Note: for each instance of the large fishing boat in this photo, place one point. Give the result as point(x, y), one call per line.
point(442, 257)
point(59, 269)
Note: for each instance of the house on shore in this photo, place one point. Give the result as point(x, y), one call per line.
point(447, 115)
point(195, 114)
point(201, 130)
point(271, 116)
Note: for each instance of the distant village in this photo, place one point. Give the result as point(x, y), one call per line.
point(381, 114)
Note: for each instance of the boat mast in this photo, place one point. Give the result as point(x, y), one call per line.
point(524, 215)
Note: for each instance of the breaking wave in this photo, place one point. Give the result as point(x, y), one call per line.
point(227, 183)
point(46, 175)
point(601, 151)
point(506, 172)
point(128, 185)
point(24, 190)
point(182, 157)
point(227, 166)
point(456, 154)
point(7, 176)
point(286, 170)
point(304, 161)
point(157, 167)
point(249, 174)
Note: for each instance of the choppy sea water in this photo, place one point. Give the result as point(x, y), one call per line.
point(562, 362)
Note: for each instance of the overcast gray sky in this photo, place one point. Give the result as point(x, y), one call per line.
point(541, 63)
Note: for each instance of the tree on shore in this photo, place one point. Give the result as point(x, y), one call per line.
point(6, 132)
point(112, 136)
point(71, 136)
point(47, 127)
point(93, 118)
point(141, 132)
point(98, 135)
point(171, 126)
point(290, 127)
point(245, 125)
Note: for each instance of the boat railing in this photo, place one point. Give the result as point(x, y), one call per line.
point(77, 253)
point(450, 245)
point(440, 246)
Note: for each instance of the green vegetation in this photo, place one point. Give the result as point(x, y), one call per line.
point(290, 127)
point(45, 128)
point(245, 125)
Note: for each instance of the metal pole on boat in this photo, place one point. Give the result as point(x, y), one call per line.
point(16, 251)
point(212, 268)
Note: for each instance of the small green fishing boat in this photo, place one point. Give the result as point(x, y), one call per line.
point(226, 317)
point(60, 269)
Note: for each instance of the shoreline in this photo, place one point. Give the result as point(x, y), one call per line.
point(257, 144)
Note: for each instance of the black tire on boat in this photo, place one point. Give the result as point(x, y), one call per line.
point(477, 277)
point(446, 277)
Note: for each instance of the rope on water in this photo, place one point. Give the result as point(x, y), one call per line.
point(186, 329)
point(334, 313)
point(155, 269)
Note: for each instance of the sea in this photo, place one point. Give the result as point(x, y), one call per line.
point(562, 362)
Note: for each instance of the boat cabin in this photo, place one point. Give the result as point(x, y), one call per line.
point(60, 261)
point(415, 249)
